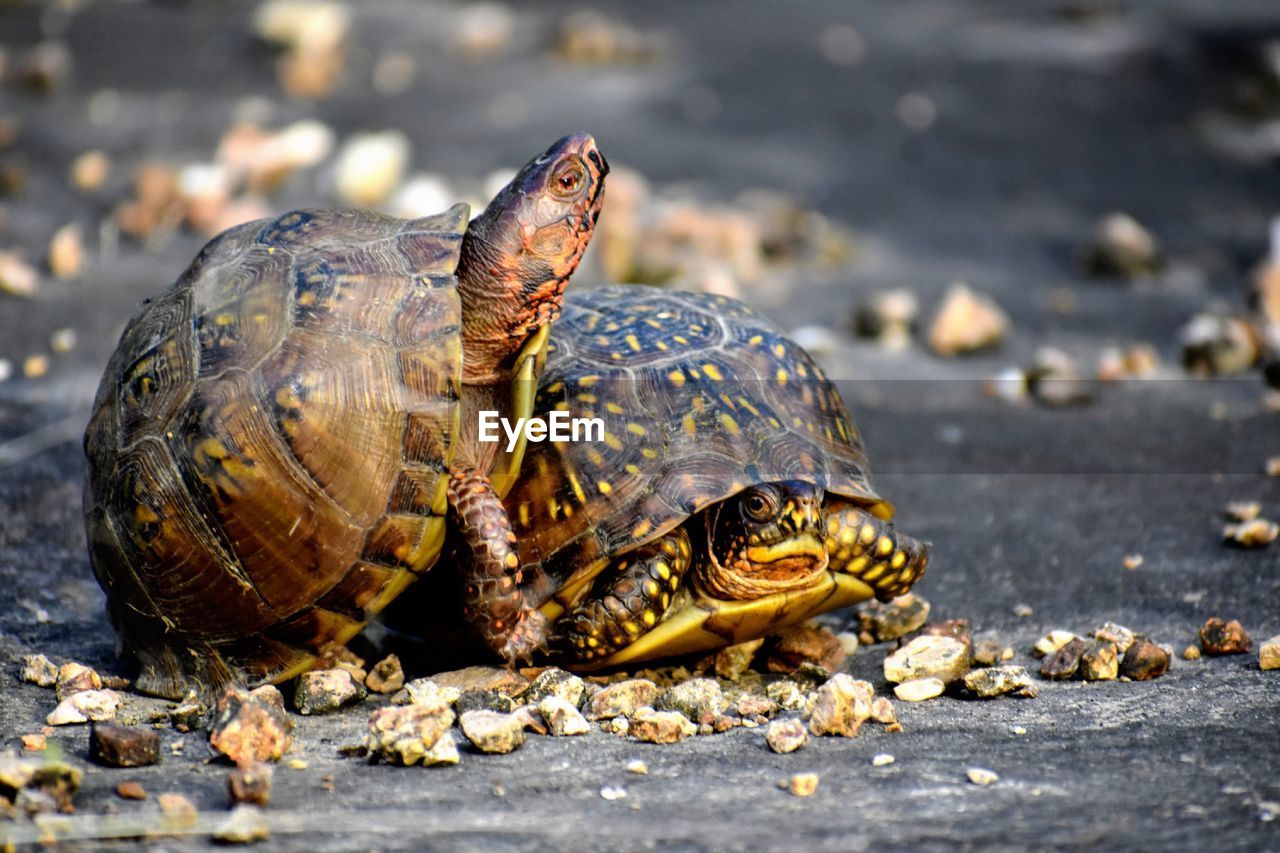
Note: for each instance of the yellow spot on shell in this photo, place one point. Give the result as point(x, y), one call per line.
point(633, 342)
point(690, 426)
point(523, 512)
point(650, 618)
point(611, 441)
point(730, 424)
point(576, 486)
point(631, 468)
point(755, 340)
point(779, 350)
point(885, 546)
point(664, 571)
point(554, 388)
point(676, 377)
point(588, 381)
point(713, 371)
point(648, 453)
point(848, 536)
point(782, 376)
point(604, 487)
point(651, 587)
point(586, 398)
point(636, 429)
point(513, 562)
point(899, 560)
point(613, 408)
point(596, 457)
point(867, 534)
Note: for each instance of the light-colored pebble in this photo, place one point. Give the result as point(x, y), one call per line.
point(919, 689)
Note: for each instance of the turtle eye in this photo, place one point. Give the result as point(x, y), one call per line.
point(759, 506)
point(568, 179)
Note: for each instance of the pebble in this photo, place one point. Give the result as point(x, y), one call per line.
point(1272, 466)
point(1123, 248)
point(178, 811)
point(622, 699)
point(39, 670)
point(326, 690)
point(1054, 379)
point(1215, 344)
point(263, 159)
point(424, 691)
point(503, 680)
point(17, 277)
point(928, 657)
point(1191, 653)
point(1065, 662)
point(83, 706)
point(786, 735)
point(888, 317)
point(250, 784)
point(1051, 642)
point(1132, 362)
point(1224, 638)
point(124, 746)
point(810, 643)
point(1244, 510)
point(990, 652)
point(1022, 611)
point(920, 689)
point(613, 792)
point(485, 700)
point(66, 252)
point(46, 67)
point(1257, 533)
point(956, 629)
point(484, 30)
point(562, 717)
point(34, 743)
point(982, 776)
point(882, 759)
point(803, 784)
point(1144, 660)
point(786, 693)
point(493, 732)
point(131, 790)
point(249, 727)
point(590, 36)
point(371, 165)
point(661, 726)
point(893, 619)
point(90, 170)
point(407, 734)
point(246, 824)
point(35, 366)
point(386, 676)
point(882, 711)
point(840, 706)
point(1269, 654)
point(990, 682)
point(1100, 662)
point(1118, 635)
point(698, 699)
point(966, 322)
point(732, 662)
point(638, 767)
point(556, 682)
point(313, 35)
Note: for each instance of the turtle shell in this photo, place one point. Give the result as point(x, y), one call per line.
point(270, 441)
point(700, 397)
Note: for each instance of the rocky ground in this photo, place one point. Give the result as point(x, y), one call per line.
point(904, 145)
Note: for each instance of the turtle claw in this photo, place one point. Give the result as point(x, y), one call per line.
point(527, 639)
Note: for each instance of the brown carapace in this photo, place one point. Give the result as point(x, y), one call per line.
point(279, 439)
point(728, 495)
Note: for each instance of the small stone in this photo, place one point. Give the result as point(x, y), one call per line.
point(617, 726)
point(613, 792)
point(562, 717)
point(1132, 561)
point(840, 706)
point(124, 746)
point(893, 619)
point(83, 706)
point(503, 680)
point(1191, 653)
point(661, 726)
point(638, 767)
point(1122, 248)
point(1054, 379)
point(1118, 635)
point(1100, 662)
point(66, 252)
point(1244, 510)
point(90, 171)
point(250, 784)
point(990, 682)
point(1257, 533)
point(63, 341)
point(1131, 362)
point(443, 753)
point(786, 735)
point(622, 699)
point(246, 824)
point(1022, 611)
point(556, 682)
point(424, 691)
point(1064, 663)
point(1224, 638)
point(131, 790)
point(406, 734)
point(484, 700)
point(697, 699)
point(484, 30)
point(1272, 466)
point(386, 676)
point(34, 743)
point(786, 693)
point(956, 629)
point(249, 727)
point(986, 652)
point(39, 670)
point(920, 689)
point(1216, 344)
point(74, 677)
point(326, 690)
point(188, 716)
point(882, 711)
point(1269, 654)
point(753, 705)
point(371, 165)
point(732, 662)
point(966, 322)
point(1051, 642)
point(1144, 660)
point(888, 317)
point(810, 643)
point(178, 811)
point(803, 784)
point(490, 731)
point(982, 776)
point(882, 759)
point(928, 657)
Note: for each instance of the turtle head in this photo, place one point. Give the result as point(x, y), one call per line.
point(518, 255)
point(768, 538)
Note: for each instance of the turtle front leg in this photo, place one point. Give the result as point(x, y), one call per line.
point(493, 591)
point(628, 598)
point(870, 549)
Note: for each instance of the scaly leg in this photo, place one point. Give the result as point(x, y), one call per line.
point(493, 593)
point(870, 549)
point(628, 598)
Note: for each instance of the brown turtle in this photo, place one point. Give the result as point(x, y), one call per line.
point(279, 437)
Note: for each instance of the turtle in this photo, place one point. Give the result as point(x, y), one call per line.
point(725, 494)
point(281, 439)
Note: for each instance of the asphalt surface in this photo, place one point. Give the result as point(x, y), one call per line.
point(1047, 116)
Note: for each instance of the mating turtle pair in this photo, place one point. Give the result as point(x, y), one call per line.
point(279, 439)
